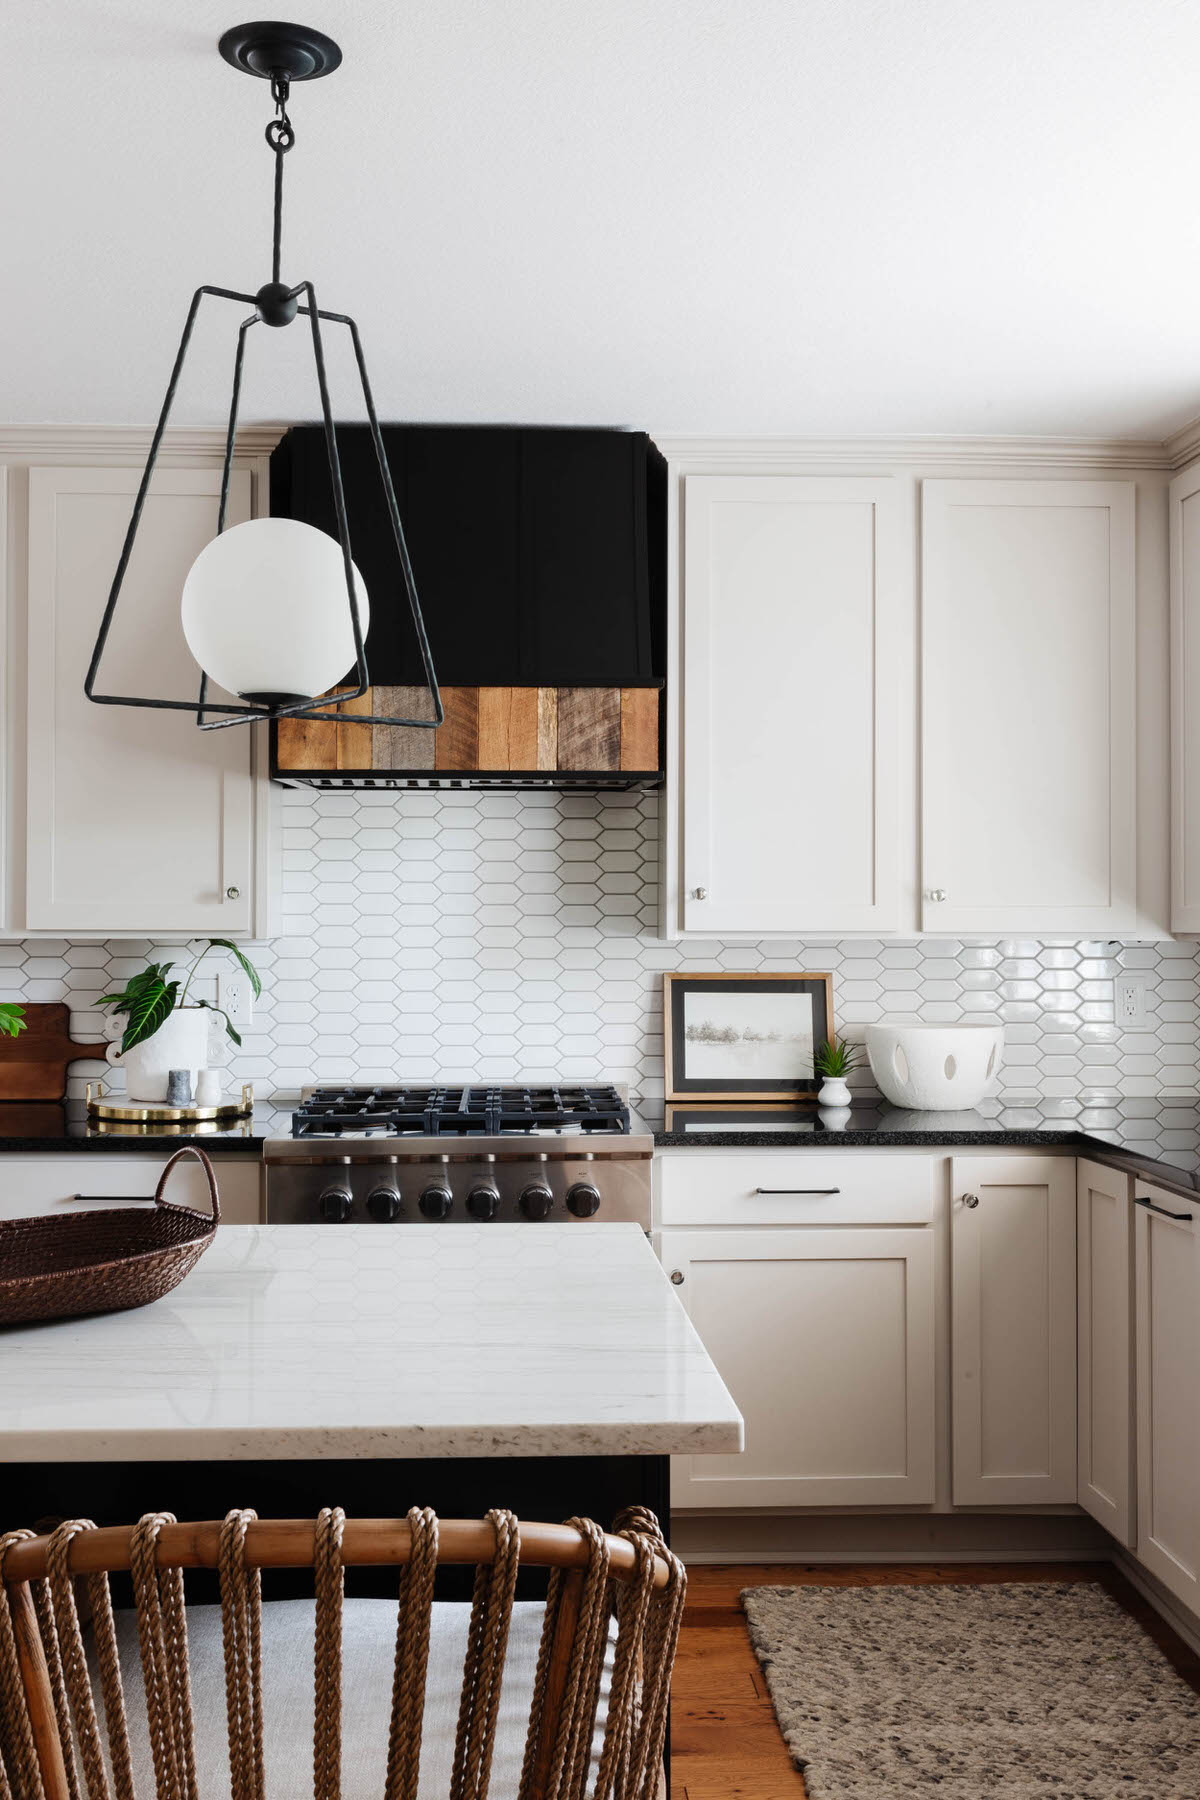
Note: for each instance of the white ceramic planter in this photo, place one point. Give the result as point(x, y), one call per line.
point(935, 1068)
point(181, 1042)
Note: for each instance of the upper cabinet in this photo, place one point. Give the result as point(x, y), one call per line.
point(790, 635)
point(1185, 700)
point(1029, 749)
point(902, 703)
point(137, 823)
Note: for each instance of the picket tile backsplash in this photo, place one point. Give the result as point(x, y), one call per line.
point(507, 935)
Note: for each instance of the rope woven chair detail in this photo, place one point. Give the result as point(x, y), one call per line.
point(597, 1686)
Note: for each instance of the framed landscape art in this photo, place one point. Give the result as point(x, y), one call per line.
point(744, 1037)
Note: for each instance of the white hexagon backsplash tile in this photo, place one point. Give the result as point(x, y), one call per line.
point(469, 934)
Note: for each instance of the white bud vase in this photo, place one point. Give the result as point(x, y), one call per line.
point(834, 1092)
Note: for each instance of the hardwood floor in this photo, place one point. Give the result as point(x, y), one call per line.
point(725, 1744)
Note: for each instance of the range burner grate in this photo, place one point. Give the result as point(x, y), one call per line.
point(430, 1110)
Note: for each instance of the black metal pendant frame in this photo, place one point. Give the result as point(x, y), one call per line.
point(277, 305)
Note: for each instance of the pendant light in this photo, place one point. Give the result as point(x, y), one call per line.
point(274, 610)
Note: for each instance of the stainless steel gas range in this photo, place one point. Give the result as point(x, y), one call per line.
point(435, 1155)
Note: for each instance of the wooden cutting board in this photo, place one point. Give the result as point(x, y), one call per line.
point(33, 1065)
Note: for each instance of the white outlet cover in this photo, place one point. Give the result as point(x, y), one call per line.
point(1129, 1002)
point(234, 997)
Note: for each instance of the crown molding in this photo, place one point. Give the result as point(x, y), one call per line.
point(1183, 446)
point(931, 454)
point(123, 444)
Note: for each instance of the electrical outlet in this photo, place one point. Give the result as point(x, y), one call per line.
point(235, 996)
point(1129, 995)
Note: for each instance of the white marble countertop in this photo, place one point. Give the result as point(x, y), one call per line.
point(298, 1341)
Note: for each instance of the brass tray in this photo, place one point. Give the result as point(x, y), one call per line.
point(127, 1112)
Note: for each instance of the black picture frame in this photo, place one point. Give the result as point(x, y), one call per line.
point(789, 1087)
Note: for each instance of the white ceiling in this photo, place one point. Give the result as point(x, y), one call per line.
point(807, 217)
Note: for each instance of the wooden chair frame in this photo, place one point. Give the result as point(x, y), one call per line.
point(632, 1566)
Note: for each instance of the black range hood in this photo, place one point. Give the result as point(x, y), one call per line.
point(540, 559)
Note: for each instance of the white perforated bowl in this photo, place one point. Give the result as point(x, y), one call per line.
point(935, 1068)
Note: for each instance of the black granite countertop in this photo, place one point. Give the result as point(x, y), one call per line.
point(46, 1126)
point(1157, 1137)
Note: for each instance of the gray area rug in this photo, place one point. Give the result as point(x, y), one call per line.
point(1027, 1690)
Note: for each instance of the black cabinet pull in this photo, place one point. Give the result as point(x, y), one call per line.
point(115, 1199)
point(1184, 1218)
point(797, 1190)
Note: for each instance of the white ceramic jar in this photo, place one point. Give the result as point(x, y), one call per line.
point(181, 1042)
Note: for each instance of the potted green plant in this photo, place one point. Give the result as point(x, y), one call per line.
point(12, 1018)
point(833, 1061)
point(163, 1030)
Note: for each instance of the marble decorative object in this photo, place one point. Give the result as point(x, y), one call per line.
point(305, 1341)
point(179, 1087)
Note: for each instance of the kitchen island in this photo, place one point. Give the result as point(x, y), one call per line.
point(553, 1371)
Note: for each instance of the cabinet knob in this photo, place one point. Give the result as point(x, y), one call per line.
point(699, 893)
point(970, 1201)
point(233, 893)
point(935, 893)
point(677, 1277)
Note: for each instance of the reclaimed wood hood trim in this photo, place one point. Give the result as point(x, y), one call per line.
point(532, 736)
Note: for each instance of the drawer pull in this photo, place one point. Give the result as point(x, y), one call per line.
point(1184, 1218)
point(116, 1199)
point(797, 1190)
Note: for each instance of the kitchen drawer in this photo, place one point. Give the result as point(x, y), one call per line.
point(79, 1181)
point(795, 1187)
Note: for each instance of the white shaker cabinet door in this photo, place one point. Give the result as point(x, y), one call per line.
point(1012, 1330)
point(1107, 1461)
point(825, 1338)
point(791, 595)
point(1028, 695)
point(138, 822)
point(1167, 1235)
point(1185, 701)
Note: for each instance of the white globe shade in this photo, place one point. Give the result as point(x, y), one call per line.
point(266, 613)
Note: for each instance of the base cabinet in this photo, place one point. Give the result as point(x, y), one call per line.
point(1167, 1244)
point(83, 1181)
point(1012, 1332)
point(825, 1338)
point(1106, 1461)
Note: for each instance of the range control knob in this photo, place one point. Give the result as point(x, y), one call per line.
point(537, 1201)
point(383, 1205)
point(583, 1200)
point(436, 1202)
point(336, 1205)
point(483, 1202)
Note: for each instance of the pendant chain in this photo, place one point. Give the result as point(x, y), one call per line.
point(280, 135)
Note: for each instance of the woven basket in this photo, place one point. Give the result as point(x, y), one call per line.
point(93, 1262)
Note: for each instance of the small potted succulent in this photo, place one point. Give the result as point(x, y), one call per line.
point(833, 1061)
